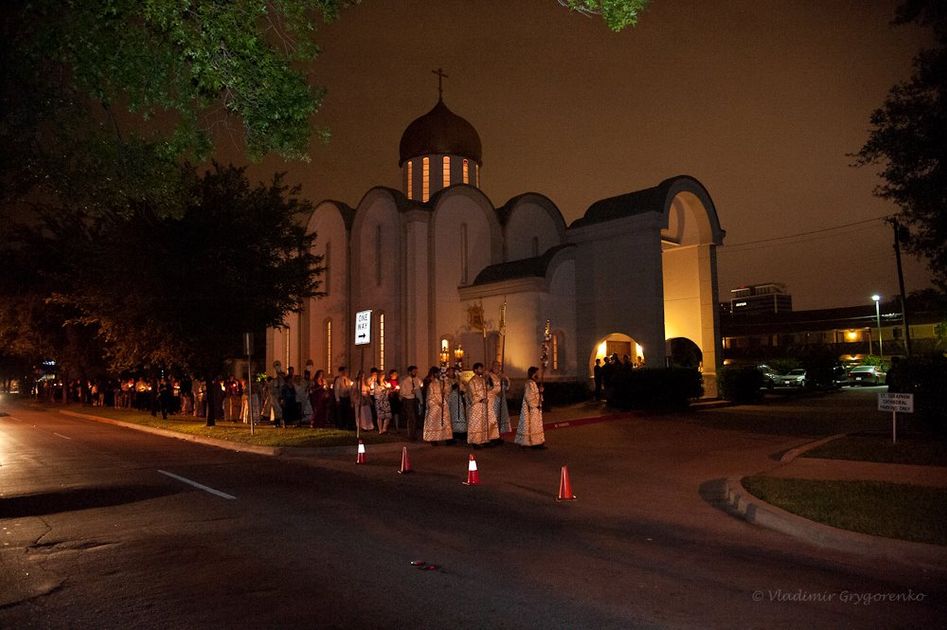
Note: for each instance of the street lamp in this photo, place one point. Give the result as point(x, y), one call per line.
point(881, 347)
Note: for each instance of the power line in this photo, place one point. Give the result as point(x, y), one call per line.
point(828, 229)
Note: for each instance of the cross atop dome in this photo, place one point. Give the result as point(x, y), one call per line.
point(440, 79)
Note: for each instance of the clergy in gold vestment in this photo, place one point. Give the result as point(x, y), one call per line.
point(479, 428)
point(437, 419)
point(530, 432)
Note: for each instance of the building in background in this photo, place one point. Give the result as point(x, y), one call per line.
point(760, 298)
point(851, 332)
point(436, 261)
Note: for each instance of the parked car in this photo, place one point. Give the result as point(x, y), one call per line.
point(793, 378)
point(840, 376)
point(769, 375)
point(866, 375)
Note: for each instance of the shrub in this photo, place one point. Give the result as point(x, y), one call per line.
point(925, 376)
point(560, 393)
point(653, 388)
point(740, 384)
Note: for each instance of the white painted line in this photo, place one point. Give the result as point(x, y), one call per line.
point(197, 485)
point(65, 437)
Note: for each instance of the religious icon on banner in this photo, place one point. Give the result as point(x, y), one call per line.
point(475, 318)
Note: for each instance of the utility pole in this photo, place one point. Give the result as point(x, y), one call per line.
point(904, 302)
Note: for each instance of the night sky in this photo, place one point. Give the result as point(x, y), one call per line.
point(760, 100)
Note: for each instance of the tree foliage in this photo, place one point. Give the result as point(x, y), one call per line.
point(206, 63)
point(909, 139)
point(618, 14)
point(165, 288)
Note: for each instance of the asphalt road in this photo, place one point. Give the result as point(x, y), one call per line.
point(101, 527)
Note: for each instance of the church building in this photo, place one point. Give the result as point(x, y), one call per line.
point(448, 276)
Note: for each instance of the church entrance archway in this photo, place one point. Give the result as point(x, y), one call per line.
point(683, 352)
point(618, 344)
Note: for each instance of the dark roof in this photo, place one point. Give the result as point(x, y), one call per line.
point(525, 268)
point(637, 202)
point(440, 131)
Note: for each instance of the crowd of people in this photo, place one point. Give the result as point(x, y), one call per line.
point(446, 406)
point(443, 407)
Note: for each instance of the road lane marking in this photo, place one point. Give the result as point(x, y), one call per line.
point(197, 485)
point(65, 437)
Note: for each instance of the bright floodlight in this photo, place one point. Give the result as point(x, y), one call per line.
point(876, 297)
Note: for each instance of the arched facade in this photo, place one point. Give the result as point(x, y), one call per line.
point(452, 269)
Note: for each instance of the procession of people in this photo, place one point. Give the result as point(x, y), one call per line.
point(446, 407)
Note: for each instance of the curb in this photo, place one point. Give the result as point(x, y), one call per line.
point(793, 453)
point(758, 512)
point(239, 447)
point(273, 451)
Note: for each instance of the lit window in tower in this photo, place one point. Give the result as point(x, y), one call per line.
point(466, 172)
point(425, 178)
point(477, 173)
point(410, 177)
point(445, 168)
point(328, 333)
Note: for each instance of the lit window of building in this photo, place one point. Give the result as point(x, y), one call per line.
point(381, 341)
point(425, 179)
point(445, 168)
point(555, 352)
point(477, 173)
point(466, 172)
point(410, 177)
point(328, 333)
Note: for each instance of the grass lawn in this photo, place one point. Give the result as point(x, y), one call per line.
point(878, 448)
point(264, 435)
point(902, 511)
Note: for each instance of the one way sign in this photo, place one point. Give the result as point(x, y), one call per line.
point(363, 328)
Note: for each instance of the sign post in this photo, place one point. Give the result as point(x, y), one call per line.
point(895, 403)
point(363, 337)
point(248, 350)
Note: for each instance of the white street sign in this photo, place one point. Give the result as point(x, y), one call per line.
point(363, 328)
point(901, 403)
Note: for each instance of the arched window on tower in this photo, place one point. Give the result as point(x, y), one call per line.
point(425, 179)
point(466, 172)
point(410, 177)
point(445, 168)
point(477, 173)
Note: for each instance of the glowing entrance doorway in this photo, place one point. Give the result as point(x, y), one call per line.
point(619, 344)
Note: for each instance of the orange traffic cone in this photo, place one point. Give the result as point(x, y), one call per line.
point(405, 461)
point(565, 486)
point(473, 475)
point(360, 458)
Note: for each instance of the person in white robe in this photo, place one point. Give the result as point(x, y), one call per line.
point(437, 421)
point(530, 432)
point(362, 402)
point(480, 429)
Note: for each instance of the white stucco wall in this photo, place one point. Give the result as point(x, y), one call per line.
point(531, 219)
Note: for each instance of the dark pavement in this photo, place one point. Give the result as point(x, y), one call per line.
point(94, 534)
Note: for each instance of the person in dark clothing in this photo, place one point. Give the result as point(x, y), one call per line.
point(165, 398)
point(597, 376)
